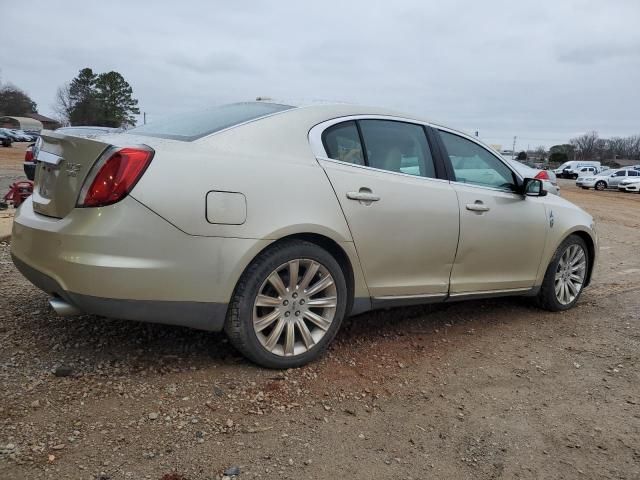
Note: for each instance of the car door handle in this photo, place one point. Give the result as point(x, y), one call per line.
point(364, 195)
point(477, 207)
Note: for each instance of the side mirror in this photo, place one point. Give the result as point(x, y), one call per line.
point(533, 187)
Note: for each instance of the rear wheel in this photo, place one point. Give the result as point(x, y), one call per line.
point(600, 185)
point(288, 305)
point(565, 276)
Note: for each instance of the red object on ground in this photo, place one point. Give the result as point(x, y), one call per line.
point(19, 192)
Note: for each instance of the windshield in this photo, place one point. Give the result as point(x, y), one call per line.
point(191, 126)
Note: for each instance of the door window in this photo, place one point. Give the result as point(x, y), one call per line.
point(621, 173)
point(397, 147)
point(632, 173)
point(475, 165)
point(342, 142)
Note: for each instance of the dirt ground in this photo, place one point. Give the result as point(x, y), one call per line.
point(475, 390)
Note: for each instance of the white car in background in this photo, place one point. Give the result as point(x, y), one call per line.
point(548, 177)
point(607, 179)
point(631, 184)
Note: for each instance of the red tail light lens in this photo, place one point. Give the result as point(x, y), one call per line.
point(116, 177)
point(543, 175)
point(28, 155)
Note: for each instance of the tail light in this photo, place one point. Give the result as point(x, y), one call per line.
point(28, 155)
point(114, 176)
point(542, 175)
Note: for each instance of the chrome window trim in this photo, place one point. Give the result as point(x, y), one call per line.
point(381, 170)
point(315, 141)
point(317, 147)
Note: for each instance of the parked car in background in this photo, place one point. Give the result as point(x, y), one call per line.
point(630, 184)
point(377, 209)
point(548, 177)
point(607, 179)
point(570, 169)
point(24, 136)
point(29, 164)
point(14, 137)
point(5, 139)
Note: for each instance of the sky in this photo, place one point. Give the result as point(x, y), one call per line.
point(544, 71)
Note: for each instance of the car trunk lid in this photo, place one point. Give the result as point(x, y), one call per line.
point(63, 164)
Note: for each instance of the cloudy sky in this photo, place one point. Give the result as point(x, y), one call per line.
point(542, 70)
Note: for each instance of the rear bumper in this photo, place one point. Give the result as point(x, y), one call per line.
point(199, 315)
point(124, 261)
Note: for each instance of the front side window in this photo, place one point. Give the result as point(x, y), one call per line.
point(397, 147)
point(342, 142)
point(620, 173)
point(476, 165)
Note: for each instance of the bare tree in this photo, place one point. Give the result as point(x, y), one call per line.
point(63, 104)
point(586, 145)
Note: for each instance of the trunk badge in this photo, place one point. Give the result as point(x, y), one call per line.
point(73, 169)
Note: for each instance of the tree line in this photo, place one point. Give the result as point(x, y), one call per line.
point(91, 99)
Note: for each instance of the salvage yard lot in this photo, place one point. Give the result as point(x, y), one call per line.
point(478, 390)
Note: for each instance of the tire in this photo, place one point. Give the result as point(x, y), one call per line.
point(600, 185)
point(548, 298)
point(286, 306)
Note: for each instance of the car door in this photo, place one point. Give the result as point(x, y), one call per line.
point(616, 178)
point(502, 233)
point(403, 219)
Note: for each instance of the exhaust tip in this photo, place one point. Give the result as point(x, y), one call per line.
point(63, 308)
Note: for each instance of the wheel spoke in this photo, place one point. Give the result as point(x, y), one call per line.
point(294, 268)
point(578, 257)
point(326, 302)
point(261, 323)
point(267, 301)
point(305, 333)
point(558, 288)
point(289, 338)
point(276, 280)
point(572, 289)
point(579, 266)
point(321, 322)
point(320, 285)
point(309, 274)
point(575, 278)
point(274, 336)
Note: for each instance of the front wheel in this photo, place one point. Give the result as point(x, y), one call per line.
point(600, 185)
point(288, 305)
point(565, 276)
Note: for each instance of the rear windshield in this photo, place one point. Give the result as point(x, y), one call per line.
point(191, 126)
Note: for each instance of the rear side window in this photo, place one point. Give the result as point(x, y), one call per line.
point(191, 126)
point(342, 142)
point(397, 147)
point(632, 173)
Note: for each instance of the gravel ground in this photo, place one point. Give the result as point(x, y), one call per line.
point(478, 390)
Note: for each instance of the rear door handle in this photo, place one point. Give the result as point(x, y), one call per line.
point(364, 195)
point(477, 207)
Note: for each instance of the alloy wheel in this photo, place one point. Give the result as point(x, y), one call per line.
point(570, 274)
point(295, 307)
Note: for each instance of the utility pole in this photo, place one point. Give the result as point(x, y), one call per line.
point(513, 149)
point(144, 118)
